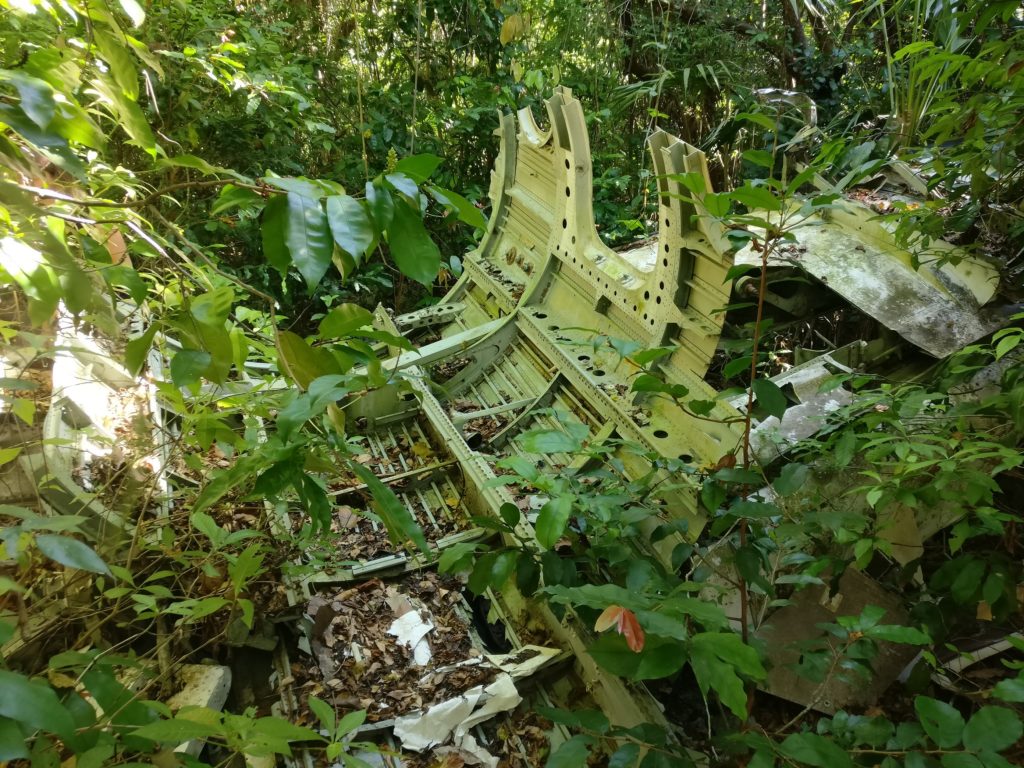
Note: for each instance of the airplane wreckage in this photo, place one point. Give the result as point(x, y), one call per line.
point(530, 341)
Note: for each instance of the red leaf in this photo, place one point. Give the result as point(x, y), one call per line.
point(630, 629)
point(608, 618)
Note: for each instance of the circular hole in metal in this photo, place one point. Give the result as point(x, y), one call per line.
point(598, 372)
point(552, 327)
point(565, 224)
point(574, 239)
point(664, 262)
point(634, 307)
point(657, 299)
point(661, 286)
point(647, 295)
point(666, 247)
point(685, 458)
point(567, 192)
point(584, 358)
point(668, 223)
point(661, 434)
point(541, 315)
point(567, 164)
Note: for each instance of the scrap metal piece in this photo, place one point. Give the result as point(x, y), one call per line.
point(939, 307)
point(792, 629)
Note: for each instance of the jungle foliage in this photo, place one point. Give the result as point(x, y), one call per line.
point(241, 183)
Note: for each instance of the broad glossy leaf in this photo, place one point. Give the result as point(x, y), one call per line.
point(134, 11)
point(572, 753)
point(213, 307)
point(381, 204)
point(275, 225)
point(308, 238)
point(34, 704)
point(812, 749)
point(188, 366)
point(343, 319)
point(235, 197)
point(791, 479)
point(465, 210)
point(549, 441)
point(302, 362)
point(716, 658)
point(415, 254)
point(943, 724)
point(12, 741)
point(418, 167)
point(552, 520)
point(350, 224)
point(770, 397)
point(120, 63)
point(993, 728)
point(128, 114)
point(71, 552)
point(36, 96)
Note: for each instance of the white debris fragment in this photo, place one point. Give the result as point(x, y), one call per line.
point(411, 629)
point(453, 719)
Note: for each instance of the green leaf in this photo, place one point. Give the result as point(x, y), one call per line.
point(992, 728)
point(36, 96)
point(134, 11)
point(943, 724)
point(466, 211)
point(136, 350)
point(308, 238)
point(343, 320)
point(128, 114)
point(350, 224)
point(791, 479)
point(845, 447)
point(510, 514)
point(1010, 690)
point(968, 582)
point(552, 520)
point(457, 557)
point(756, 197)
point(759, 157)
point(71, 552)
point(402, 526)
point(549, 441)
point(897, 634)
point(419, 168)
point(237, 197)
point(207, 169)
point(716, 658)
point(405, 185)
point(812, 749)
point(303, 363)
point(382, 206)
point(188, 366)
point(625, 756)
point(573, 753)
point(12, 741)
point(33, 704)
point(415, 254)
point(770, 397)
point(213, 307)
point(273, 230)
point(120, 63)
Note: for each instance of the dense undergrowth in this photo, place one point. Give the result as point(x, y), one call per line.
point(217, 194)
